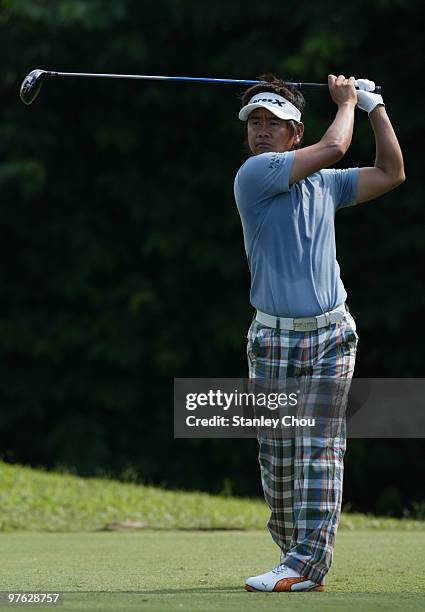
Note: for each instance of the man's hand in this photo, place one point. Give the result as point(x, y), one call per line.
point(366, 100)
point(342, 90)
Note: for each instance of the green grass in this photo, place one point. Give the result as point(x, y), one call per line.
point(373, 570)
point(35, 500)
point(54, 537)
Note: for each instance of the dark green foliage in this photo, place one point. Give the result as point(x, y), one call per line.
point(121, 247)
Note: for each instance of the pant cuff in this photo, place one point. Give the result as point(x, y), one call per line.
point(306, 569)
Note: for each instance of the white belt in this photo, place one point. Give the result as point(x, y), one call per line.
point(303, 323)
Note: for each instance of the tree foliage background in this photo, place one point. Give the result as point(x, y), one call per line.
point(122, 260)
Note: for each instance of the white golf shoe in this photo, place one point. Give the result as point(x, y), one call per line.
point(282, 578)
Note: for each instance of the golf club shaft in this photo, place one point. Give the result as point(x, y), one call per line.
point(170, 78)
point(181, 78)
point(32, 83)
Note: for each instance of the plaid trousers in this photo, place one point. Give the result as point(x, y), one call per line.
point(302, 476)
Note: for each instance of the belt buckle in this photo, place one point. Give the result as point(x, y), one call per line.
point(305, 324)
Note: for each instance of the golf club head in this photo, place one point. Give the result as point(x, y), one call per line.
point(31, 86)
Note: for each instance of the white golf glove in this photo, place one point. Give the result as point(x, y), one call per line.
point(366, 100)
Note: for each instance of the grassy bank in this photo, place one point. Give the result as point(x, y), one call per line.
point(36, 500)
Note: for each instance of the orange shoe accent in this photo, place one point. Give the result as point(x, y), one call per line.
point(277, 589)
point(320, 587)
point(286, 583)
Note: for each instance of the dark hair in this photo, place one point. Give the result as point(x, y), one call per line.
point(270, 82)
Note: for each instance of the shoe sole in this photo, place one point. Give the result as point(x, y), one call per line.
point(251, 589)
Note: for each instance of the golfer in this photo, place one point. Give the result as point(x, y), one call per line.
point(301, 325)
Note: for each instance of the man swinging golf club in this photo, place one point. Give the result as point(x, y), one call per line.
point(302, 326)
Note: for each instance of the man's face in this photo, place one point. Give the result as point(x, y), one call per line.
point(266, 133)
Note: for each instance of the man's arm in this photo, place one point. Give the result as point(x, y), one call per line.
point(335, 142)
point(388, 171)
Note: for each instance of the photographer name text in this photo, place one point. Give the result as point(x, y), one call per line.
point(239, 421)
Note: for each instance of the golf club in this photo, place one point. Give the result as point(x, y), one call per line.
point(32, 83)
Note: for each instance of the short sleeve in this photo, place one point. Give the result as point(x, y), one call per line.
point(342, 184)
point(265, 175)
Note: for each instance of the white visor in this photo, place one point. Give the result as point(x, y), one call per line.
point(279, 106)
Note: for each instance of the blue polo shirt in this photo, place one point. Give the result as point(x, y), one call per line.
point(289, 234)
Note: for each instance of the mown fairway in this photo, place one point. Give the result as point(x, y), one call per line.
point(196, 570)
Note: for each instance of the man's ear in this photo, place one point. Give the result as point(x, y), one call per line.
point(299, 127)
